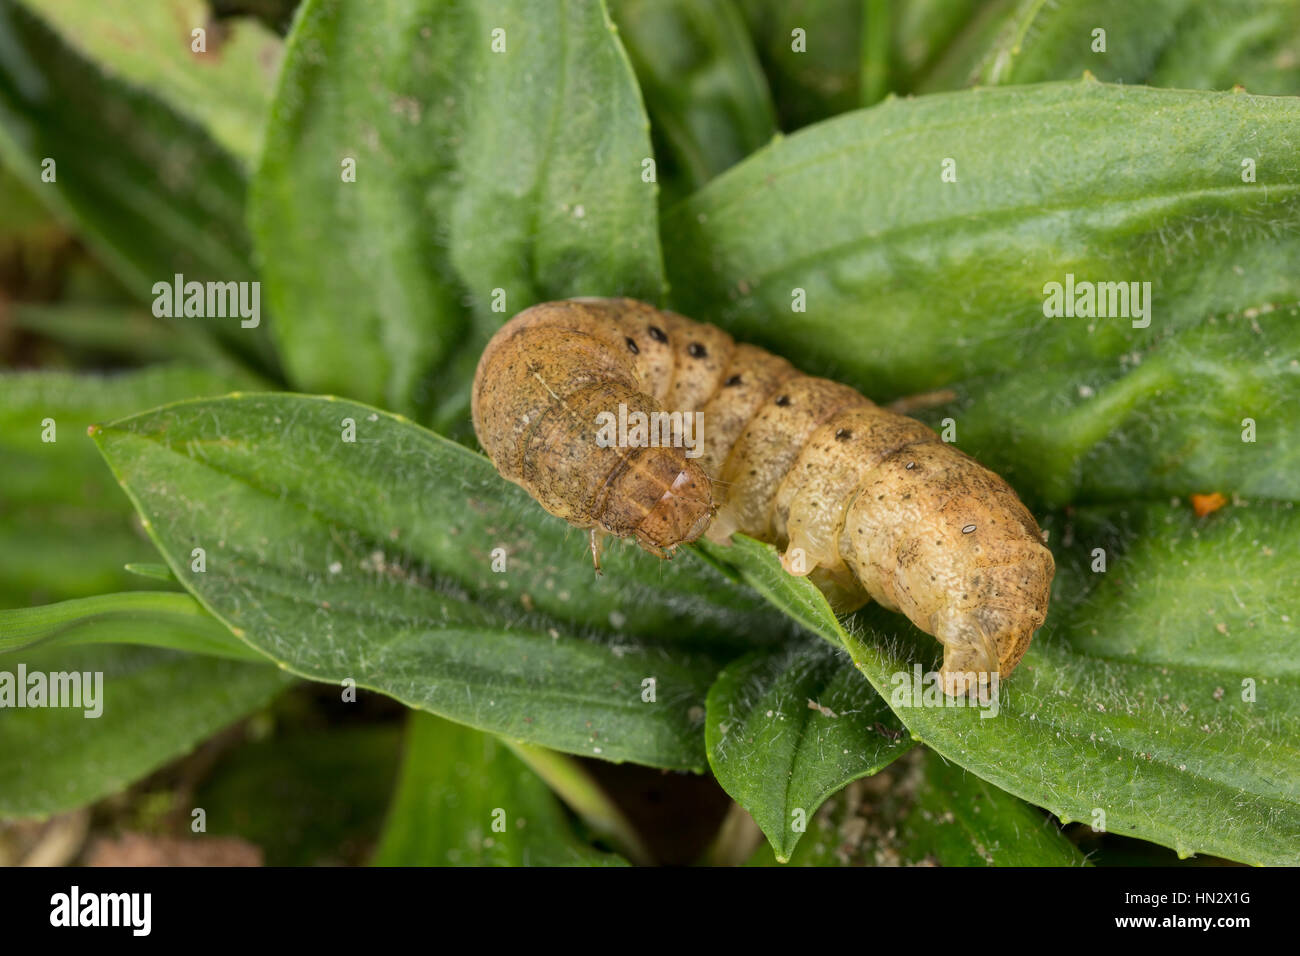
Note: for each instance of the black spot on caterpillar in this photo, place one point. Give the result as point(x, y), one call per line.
point(871, 504)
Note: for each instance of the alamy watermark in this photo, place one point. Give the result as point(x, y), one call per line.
point(1098, 300)
point(637, 429)
point(919, 688)
point(133, 911)
point(74, 689)
point(208, 300)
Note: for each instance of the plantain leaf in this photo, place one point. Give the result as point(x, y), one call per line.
point(1162, 698)
point(909, 283)
point(483, 172)
point(1186, 44)
point(148, 188)
point(1210, 409)
point(308, 797)
point(1252, 43)
point(925, 34)
point(152, 618)
point(225, 86)
point(1058, 41)
point(463, 799)
point(57, 553)
point(960, 820)
point(125, 333)
point(373, 560)
point(788, 727)
point(65, 529)
point(927, 811)
point(811, 51)
point(151, 569)
point(708, 100)
point(959, 62)
point(156, 706)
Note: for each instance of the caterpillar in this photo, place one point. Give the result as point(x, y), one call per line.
point(871, 504)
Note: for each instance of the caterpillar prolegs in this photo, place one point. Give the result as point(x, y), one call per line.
point(872, 504)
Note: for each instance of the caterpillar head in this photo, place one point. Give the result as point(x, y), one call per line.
point(680, 515)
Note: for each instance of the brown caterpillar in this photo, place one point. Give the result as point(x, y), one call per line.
point(871, 503)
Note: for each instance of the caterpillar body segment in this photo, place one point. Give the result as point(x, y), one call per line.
point(869, 503)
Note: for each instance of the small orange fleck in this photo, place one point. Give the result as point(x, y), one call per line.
point(1205, 504)
point(92, 430)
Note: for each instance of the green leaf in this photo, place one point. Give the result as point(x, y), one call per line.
point(152, 618)
point(1254, 43)
point(706, 94)
point(823, 77)
point(1054, 41)
point(456, 787)
point(786, 728)
point(227, 89)
point(960, 820)
point(65, 529)
point(125, 332)
point(476, 171)
point(1113, 411)
point(1168, 419)
point(876, 40)
point(925, 33)
point(1183, 44)
point(157, 705)
point(924, 810)
point(148, 188)
point(57, 553)
point(958, 63)
point(307, 797)
point(571, 780)
point(1163, 691)
point(912, 283)
point(66, 468)
point(373, 560)
point(151, 569)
